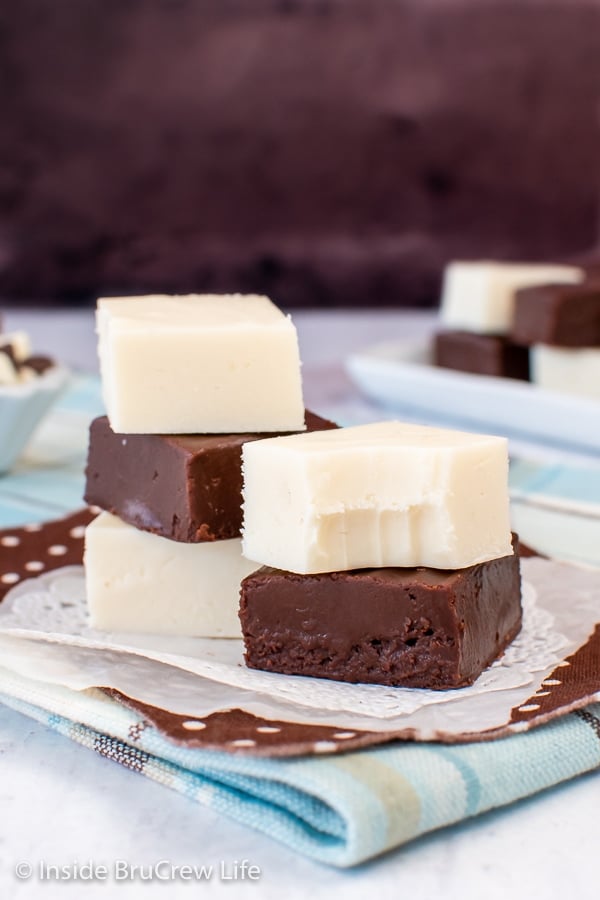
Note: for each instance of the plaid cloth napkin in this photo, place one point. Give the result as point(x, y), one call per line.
point(340, 809)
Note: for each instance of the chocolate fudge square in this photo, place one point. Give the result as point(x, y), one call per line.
point(481, 354)
point(422, 628)
point(184, 487)
point(559, 314)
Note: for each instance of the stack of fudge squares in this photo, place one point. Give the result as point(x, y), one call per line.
point(186, 382)
point(386, 552)
point(378, 553)
point(535, 322)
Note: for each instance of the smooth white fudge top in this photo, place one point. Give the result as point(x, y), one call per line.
point(380, 435)
point(207, 311)
point(201, 363)
point(391, 465)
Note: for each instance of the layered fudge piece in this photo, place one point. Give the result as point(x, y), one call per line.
point(183, 487)
point(558, 314)
point(481, 354)
point(480, 296)
point(139, 582)
point(418, 627)
point(567, 369)
point(199, 364)
point(386, 494)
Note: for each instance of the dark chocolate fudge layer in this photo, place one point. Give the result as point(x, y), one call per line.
point(419, 627)
point(567, 315)
point(481, 354)
point(184, 487)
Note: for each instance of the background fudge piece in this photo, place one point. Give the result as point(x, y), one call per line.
point(184, 487)
point(559, 314)
point(480, 296)
point(482, 354)
point(17, 344)
point(420, 627)
point(17, 363)
point(569, 370)
point(139, 582)
point(37, 364)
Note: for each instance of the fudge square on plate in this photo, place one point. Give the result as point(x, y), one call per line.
point(481, 354)
point(184, 487)
point(558, 314)
point(568, 370)
point(418, 627)
point(480, 296)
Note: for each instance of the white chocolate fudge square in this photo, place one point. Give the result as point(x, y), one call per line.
point(479, 296)
point(571, 371)
point(387, 494)
point(202, 363)
point(140, 582)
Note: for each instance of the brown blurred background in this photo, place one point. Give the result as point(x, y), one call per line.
point(328, 152)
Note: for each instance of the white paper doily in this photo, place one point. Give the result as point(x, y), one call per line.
point(199, 676)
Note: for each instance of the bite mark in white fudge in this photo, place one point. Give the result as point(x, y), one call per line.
point(387, 494)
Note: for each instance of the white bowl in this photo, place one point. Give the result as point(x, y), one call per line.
point(22, 407)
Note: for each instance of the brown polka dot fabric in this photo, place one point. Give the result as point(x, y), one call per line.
point(572, 684)
point(237, 730)
point(33, 549)
point(37, 548)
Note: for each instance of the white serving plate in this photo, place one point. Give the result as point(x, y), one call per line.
point(401, 375)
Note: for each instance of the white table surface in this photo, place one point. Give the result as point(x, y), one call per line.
point(62, 804)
